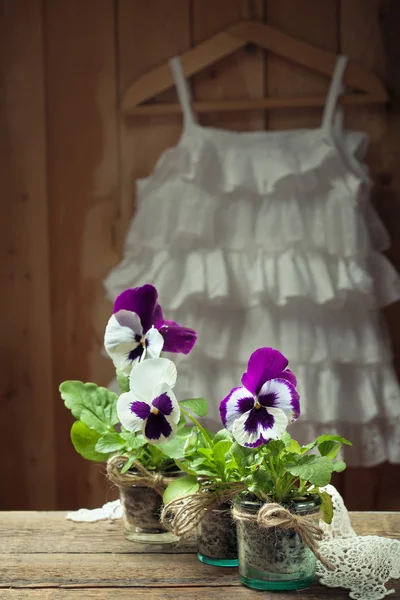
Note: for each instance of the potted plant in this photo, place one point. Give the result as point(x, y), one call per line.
point(277, 484)
point(131, 433)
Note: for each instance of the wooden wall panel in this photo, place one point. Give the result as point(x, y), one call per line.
point(361, 38)
point(312, 21)
point(26, 402)
point(148, 33)
point(83, 199)
point(236, 77)
point(68, 168)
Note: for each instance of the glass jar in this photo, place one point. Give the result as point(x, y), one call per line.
point(142, 508)
point(216, 538)
point(274, 558)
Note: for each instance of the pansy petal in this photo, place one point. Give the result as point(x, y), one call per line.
point(239, 401)
point(259, 426)
point(158, 318)
point(154, 343)
point(130, 319)
point(177, 338)
point(165, 401)
point(140, 300)
point(120, 342)
point(128, 418)
point(159, 428)
point(147, 375)
point(264, 364)
point(279, 393)
point(289, 376)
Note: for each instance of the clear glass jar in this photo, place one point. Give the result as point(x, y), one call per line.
point(216, 538)
point(273, 558)
point(142, 508)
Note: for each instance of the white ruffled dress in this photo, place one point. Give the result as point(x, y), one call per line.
point(269, 239)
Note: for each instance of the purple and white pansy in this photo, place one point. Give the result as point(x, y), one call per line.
point(150, 407)
point(261, 409)
point(137, 330)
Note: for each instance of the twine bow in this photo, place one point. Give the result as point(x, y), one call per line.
point(142, 477)
point(184, 514)
point(272, 514)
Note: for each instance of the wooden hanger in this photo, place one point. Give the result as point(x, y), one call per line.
point(370, 89)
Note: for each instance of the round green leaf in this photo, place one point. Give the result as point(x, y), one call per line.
point(198, 406)
point(183, 486)
point(84, 440)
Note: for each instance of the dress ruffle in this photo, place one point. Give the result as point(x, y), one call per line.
point(247, 278)
point(270, 239)
point(329, 393)
point(304, 333)
point(222, 162)
point(333, 224)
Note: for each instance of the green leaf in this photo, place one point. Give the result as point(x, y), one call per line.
point(275, 447)
point(326, 507)
point(183, 486)
point(198, 406)
point(111, 442)
point(222, 434)
point(293, 447)
point(175, 448)
point(93, 422)
point(94, 405)
point(128, 464)
point(329, 445)
point(338, 466)
point(240, 454)
point(123, 382)
point(207, 452)
point(134, 441)
point(332, 438)
point(261, 481)
point(85, 440)
point(219, 451)
point(312, 468)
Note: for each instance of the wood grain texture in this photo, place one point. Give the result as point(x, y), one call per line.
point(88, 564)
point(315, 592)
point(314, 22)
point(49, 532)
point(83, 191)
point(148, 34)
point(361, 38)
point(26, 394)
point(236, 77)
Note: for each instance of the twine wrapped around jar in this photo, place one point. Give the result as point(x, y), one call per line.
point(182, 515)
point(272, 514)
point(141, 477)
point(141, 493)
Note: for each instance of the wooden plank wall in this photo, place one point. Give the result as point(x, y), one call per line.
point(67, 171)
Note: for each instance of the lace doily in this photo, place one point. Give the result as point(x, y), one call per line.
point(110, 510)
point(364, 564)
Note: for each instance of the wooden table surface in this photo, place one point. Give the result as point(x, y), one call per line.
point(46, 557)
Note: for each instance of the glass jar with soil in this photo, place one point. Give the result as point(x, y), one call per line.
point(216, 538)
point(274, 558)
point(142, 508)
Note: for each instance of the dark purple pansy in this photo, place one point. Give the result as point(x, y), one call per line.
point(267, 401)
point(151, 406)
point(137, 329)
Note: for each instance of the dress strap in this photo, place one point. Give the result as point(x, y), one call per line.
point(335, 90)
point(183, 90)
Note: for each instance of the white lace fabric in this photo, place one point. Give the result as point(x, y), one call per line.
point(363, 564)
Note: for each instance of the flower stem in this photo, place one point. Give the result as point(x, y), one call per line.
point(206, 437)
